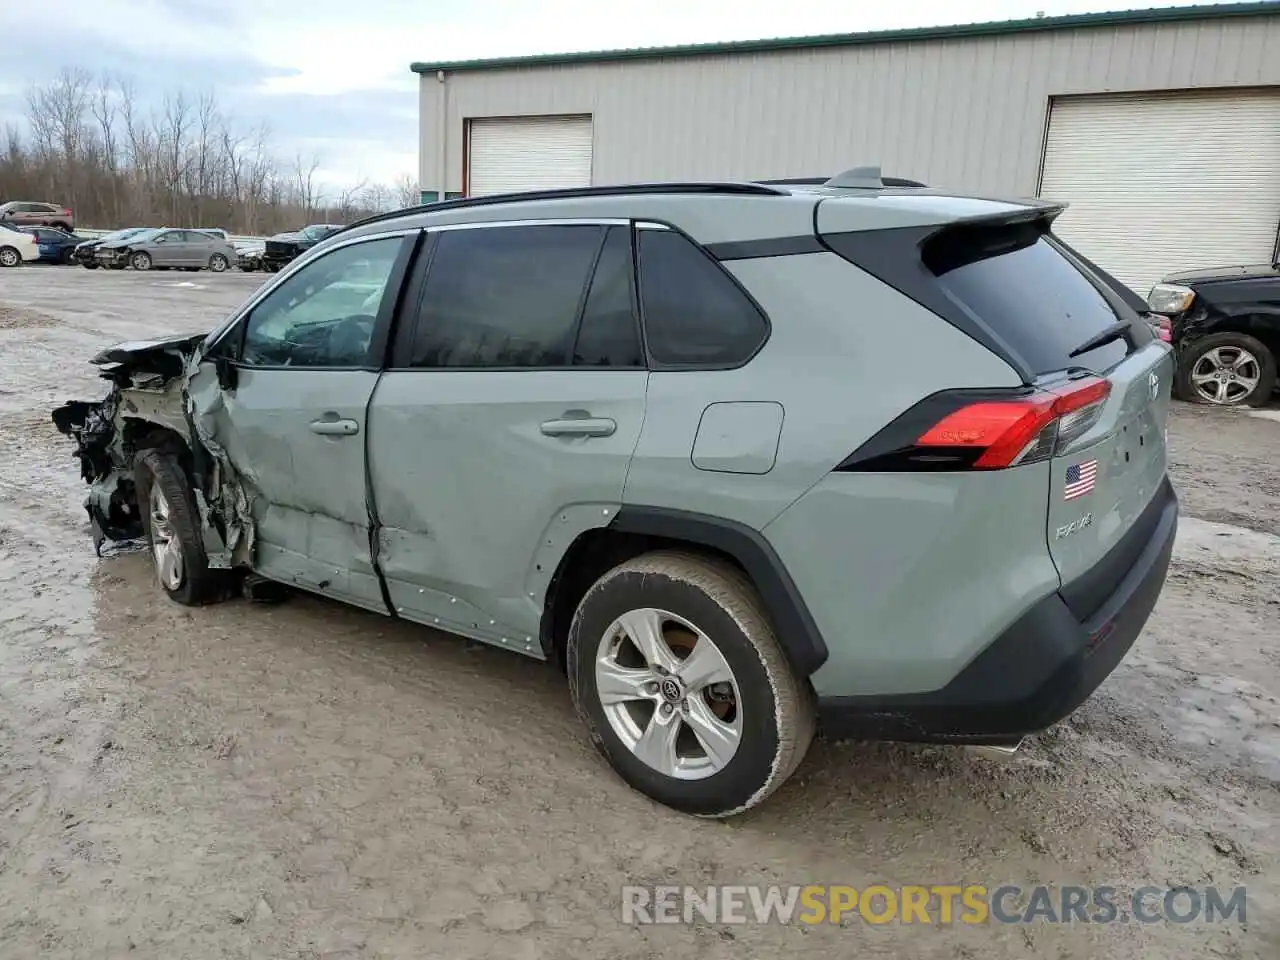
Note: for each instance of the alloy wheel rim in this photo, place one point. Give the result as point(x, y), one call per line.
point(165, 546)
point(1226, 375)
point(669, 694)
point(8, 258)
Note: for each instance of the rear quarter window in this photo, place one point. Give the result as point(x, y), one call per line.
point(695, 314)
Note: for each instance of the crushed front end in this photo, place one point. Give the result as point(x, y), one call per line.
point(148, 406)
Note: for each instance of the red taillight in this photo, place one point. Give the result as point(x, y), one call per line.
point(1164, 329)
point(1008, 432)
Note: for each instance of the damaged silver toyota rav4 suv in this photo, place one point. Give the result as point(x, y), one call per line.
point(744, 459)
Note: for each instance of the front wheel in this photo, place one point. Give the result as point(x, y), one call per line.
point(141, 260)
point(1226, 369)
point(675, 670)
point(218, 263)
point(88, 265)
point(9, 257)
point(172, 525)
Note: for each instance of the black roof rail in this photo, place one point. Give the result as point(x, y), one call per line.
point(570, 193)
point(821, 181)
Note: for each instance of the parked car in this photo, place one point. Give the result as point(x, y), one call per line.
point(84, 253)
point(24, 213)
point(649, 433)
point(55, 246)
point(17, 246)
point(163, 248)
point(1224, 324)
point(284, 248)
point(249, 254)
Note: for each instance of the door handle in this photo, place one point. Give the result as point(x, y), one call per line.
point(335, 427)
point(579, 427)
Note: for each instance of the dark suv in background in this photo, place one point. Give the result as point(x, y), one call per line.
point(284, 248)
point(1224, 324)
point(24, 213)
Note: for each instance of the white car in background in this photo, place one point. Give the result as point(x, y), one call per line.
point(17, 246)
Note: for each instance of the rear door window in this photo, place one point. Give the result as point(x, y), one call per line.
point(506, 297)
point(609, 335)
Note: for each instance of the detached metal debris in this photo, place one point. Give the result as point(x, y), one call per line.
point(151, 405)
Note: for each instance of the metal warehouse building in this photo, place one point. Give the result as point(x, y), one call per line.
point(1160, 127)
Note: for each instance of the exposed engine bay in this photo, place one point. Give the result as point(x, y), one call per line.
point(150, 405)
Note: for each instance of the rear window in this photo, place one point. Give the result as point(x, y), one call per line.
point(1028, 293)
point(1008, 286)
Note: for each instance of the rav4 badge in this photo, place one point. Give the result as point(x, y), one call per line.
point(1075, 526)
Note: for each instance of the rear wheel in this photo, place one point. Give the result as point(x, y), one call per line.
point(1227, 369)
point(172, 525)
point(64, 227)
point(9, 257)
point(676, 673)
point(141, 260)
point(218, 263)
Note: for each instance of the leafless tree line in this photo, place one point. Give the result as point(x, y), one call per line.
point(183, 163)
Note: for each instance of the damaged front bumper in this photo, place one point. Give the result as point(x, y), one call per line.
point(149, 405)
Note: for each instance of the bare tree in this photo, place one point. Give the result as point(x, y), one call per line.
point(406, 191)
point(92, 143)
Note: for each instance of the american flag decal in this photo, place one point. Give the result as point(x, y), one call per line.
point(1080, 479)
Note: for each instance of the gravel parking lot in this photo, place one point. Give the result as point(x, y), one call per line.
point(307, 780)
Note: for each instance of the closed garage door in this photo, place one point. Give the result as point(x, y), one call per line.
point(528, 153)
point(1160, 183)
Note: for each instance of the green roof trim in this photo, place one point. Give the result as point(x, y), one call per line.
point(1210, 11)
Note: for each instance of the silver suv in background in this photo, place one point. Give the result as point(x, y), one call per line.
point(740, 458)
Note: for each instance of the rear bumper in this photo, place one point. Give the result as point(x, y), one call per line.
point(1035, 673)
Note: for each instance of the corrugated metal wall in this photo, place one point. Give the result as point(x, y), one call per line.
point(964, 113)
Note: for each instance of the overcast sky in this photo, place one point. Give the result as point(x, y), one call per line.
point(332, 76)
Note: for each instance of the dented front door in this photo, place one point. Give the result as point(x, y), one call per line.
point(291, 419)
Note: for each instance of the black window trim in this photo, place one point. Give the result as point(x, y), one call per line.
point(409, 319)
point(661, 367)
point(233, 335)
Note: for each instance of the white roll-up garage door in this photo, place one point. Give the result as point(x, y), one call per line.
point(528, 153)
point(1159, 183)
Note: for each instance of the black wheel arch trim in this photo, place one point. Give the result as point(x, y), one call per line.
point(796, 630)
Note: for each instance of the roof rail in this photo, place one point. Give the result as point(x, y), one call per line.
point(571, 193)
point(826, 181)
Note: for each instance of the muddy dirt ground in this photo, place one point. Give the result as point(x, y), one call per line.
point(306, 780)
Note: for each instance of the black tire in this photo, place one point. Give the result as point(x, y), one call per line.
point(64, 227)
point(1188, 358)
point(88, 265)
point(218, 263)
point(159, 467)
point(140, 260)
point(777, 718)
point(10, 257)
